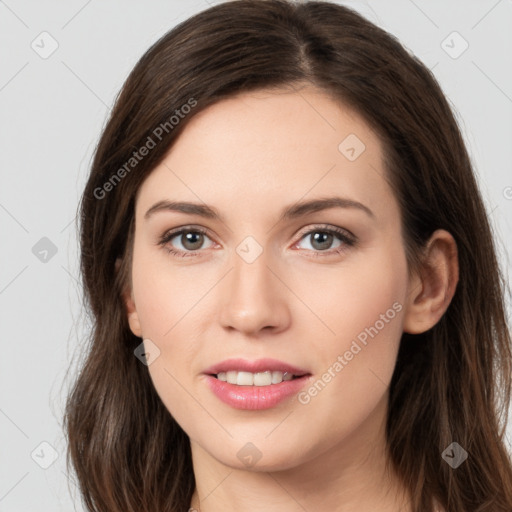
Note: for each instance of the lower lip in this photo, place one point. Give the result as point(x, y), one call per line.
point(255, 397)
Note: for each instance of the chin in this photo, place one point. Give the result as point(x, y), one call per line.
point(258, 457)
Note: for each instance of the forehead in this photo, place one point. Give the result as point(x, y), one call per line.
point(268, 147)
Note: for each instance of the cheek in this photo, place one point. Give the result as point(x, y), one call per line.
point(361, 298)
point(364, 307)
point(172, 306)
point(166, 295)
point(360, 305)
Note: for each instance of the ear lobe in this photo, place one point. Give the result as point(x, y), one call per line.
point(131, 310)
point(432, 289)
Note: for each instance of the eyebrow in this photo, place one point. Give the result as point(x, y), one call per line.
point(290, 212)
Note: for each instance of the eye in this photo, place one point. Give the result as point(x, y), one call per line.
point(188, 241)
point(322, 238)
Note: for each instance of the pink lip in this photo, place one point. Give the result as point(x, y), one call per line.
point(260, 365)
point(255, 397)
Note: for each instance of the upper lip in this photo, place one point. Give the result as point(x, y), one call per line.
point(259, 365)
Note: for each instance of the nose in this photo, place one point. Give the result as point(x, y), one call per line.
point(254, 298)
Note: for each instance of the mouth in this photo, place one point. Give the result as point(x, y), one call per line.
point(255, 385)
point(260, 372)
point(260, 379)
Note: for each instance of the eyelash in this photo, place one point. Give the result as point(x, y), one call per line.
point(347, 238)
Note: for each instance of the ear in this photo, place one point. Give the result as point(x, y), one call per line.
point(432, 287)
point(131, 311)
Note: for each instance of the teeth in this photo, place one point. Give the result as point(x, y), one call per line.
point(254, 379)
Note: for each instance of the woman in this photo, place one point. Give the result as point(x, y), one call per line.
point(296, 298)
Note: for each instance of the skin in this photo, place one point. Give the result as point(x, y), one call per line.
point(249, 157)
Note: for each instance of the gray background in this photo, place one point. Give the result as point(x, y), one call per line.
point(52, 113)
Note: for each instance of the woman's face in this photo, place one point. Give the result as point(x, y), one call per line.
point(277, 278)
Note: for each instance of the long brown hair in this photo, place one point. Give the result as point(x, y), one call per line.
point(451, 383)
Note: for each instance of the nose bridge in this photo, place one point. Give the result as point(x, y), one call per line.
point(253, 296)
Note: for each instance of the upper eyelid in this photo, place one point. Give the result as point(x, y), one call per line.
point(172, 233)
point(326, 227)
